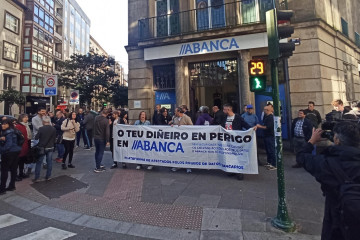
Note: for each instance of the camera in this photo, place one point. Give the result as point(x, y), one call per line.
point(331, 119)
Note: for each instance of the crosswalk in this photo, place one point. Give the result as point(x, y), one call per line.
point(49, 233)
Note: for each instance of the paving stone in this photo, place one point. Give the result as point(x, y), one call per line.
point(56, 214)
point(163, 233)
point(277, 236)
point(307, 227)
point(231, 201)
point(22, 203)
point(221, 219)
point(253, 215)
point(253, 226)
point(185, 201)
point(167, 181)
point(97, 223)
point(223, 235)
point(206, 200)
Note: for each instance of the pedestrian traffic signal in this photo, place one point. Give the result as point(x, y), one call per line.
point(104, 104)
point(277, 24)
point(257, 73)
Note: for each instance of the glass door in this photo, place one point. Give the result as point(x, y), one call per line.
point(249, 11)
point(217, 13)
point(167, 20)
point(210, 14)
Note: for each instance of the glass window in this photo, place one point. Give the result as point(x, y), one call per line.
point(39, 67)
point(51, 22)
point(10, 51)
point(345, 28)
point(357, 39)
point(47, 18)
point(34, 55)
point(11, 23)
point(41, 13)
point(36, 10)
point(33, 89)
point(26, 54)
point(34, 65)
point(26, 79)
point(26, 64)
point(35, 32)
point(39, 81)
point(27, 31)
point(25, 89)
point(39, 90)
point(41, 35)
point(33, 80)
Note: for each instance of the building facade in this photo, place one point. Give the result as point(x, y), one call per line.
point(95, 47)
point(11, 28)
point(196, 52)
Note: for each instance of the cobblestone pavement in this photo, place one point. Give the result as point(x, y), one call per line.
point(160, 204)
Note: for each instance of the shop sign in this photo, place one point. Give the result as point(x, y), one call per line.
point(165, 97)
point(234, 43)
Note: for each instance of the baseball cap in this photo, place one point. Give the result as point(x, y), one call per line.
point(249, 106)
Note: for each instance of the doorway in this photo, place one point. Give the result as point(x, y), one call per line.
point(214, 83)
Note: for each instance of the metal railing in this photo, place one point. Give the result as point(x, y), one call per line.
point(204, 18)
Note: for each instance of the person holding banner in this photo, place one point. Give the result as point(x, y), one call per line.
point(234, 121)
point(163, 118)
point(101, 138)
point(179, 119)
point(115, 120)
point(142, 121)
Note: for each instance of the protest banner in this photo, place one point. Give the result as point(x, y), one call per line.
point(205, 147)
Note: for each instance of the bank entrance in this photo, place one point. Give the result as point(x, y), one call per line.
point(214, 83)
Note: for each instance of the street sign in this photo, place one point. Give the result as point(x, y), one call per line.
point(74, 97)
point(50, 85)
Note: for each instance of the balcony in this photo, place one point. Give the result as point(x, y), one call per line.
point(58, 55)
point(204, 18)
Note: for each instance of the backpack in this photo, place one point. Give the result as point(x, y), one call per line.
point(349, 202)
point(19, 137)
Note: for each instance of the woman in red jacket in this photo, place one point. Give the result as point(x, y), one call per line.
point(25, 147)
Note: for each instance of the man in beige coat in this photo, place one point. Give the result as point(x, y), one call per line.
point(179, 119)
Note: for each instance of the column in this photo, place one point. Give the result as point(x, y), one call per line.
point(181, 83)
point(244, 89)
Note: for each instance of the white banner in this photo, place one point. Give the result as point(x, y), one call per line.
point(204, 147)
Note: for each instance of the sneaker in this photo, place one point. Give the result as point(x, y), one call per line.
point(47, 178)
point(99, 170)
point(174, 169)
point(138, 167)
point(59, 160)
point(123, 165)
point(188, 170)
point(71, 166)
point(114, 166)
point(63, 166)
point(76, 146)
point(44, 166)
point(150, 167)
point(87, 148)
point(102, 167)
point(267, 165)
point(271, 168)
point(36, 180)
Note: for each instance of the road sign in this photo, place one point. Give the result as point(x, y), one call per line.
point(50, 85)
point(74, 97)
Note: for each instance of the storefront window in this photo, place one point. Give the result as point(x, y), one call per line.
point(164, 77)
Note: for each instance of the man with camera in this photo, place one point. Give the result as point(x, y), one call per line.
point(337, 169)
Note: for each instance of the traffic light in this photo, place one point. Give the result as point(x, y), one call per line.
point(257, 75)
point(277, 24)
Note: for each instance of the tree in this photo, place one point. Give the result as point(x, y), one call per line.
point(12, 96)
point(91, 74)
point(119, 94)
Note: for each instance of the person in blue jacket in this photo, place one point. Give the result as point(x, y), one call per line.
point(249, 116)
point(9, 150)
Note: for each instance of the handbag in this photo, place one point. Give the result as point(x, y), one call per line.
point(40, 150)
point(59, 139)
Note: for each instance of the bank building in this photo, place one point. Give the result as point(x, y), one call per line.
point(196, 52)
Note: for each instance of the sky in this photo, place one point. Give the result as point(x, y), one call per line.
point(109, 26)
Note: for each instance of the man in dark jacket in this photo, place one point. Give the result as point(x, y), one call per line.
point(313, 115)
point(218, 116)
point(233, 121)
point(101, 138)
point(89, 121)
point(80, 116)
point(269, 137)
point(57, 125)
point(301, 130)
point(156, 114)
point(346, 153)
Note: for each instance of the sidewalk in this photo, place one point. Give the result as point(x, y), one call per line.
point(160, 204)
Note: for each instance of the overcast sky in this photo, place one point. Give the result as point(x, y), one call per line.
point(109, 25)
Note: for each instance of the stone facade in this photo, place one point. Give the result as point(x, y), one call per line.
point(325, 66)
point(10, 70)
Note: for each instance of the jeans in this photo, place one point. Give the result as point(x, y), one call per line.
point(69, 150)
point(9, 162)
point(85, 137)
point(61, 150)
point(89, 133)
point(269, 142)
point(99, 152)
point(48, 154)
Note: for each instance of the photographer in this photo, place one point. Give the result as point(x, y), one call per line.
point(343, 156)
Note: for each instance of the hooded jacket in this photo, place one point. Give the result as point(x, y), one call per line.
point(318, 166)
point(10, 144)
point(202, 118)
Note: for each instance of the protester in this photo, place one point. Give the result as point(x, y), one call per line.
point(123, 118)
point(59, 119)
point(331, 169)
point(46, 136)
point(25, 146)
point(163, 118)
point(244, 110)
point(80, 118)
point(114, 121)
point(269, 137)
point(37, 120)
point(249, 116)
point(218, 116)
point(9, 150)
point(345, 113)
point(204, 118)
point(180, 119)
point(142, 121)
point(88, 122)
point(312, 114)
point(301, 130)
point(101, 138)
point(25, 122)
point(70, 127)
point(156, 114)
point(233, 121)
point(187, 112)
